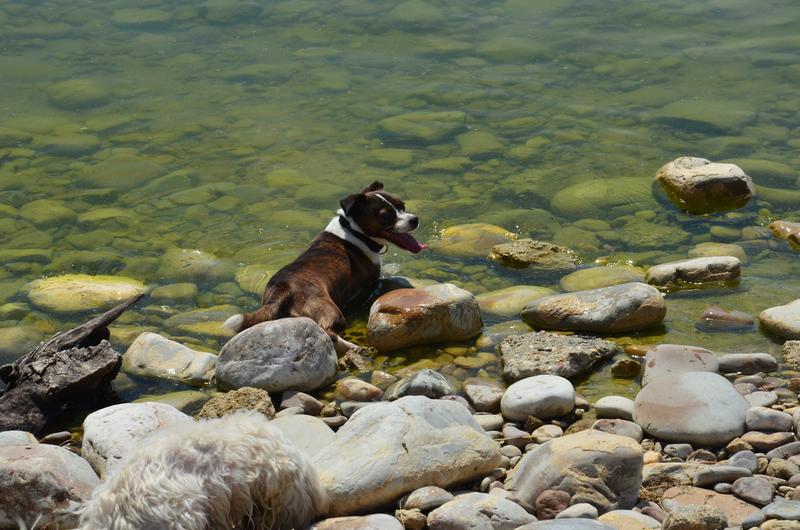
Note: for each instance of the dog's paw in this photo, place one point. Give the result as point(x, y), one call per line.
point(234, 323)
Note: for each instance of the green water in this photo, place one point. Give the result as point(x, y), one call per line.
point(235, 127)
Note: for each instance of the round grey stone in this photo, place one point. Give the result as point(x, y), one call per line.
point(543, 396)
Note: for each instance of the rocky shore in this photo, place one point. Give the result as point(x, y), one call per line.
point(709, 440)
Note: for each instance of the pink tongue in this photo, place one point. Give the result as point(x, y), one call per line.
point(407, 242)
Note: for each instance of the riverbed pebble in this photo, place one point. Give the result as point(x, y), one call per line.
point(478, 510)
point(483, 393)
point(694, 271)
point(620, 428)
point(425, 382)
point(766, 419)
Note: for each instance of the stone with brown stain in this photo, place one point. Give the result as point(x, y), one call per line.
point(432, 314)
point(672, 359)
point(734, 509)
point(697, 185)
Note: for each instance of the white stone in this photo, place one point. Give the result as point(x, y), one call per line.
point(614, 407)
point(478, 510)
point(307, 433)
point(152, 355)
point(543, 396)
point(782, 320)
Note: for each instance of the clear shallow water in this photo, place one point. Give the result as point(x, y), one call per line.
point(235, 128)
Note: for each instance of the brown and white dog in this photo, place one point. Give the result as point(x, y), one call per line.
point(342, 260)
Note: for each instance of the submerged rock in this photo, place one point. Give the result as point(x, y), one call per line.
point(74, 94)
point(700, 186)
point(552, 353)
point(782, 320)
point(616, 309)
point(82, 292)
point(529, 253)
point(597, 277)
point(192, 264)
point(695, 271)
point(602, 469)
point(471, 240)
point(285, 354)
point(716, 318)
point(700, 408)
point(152, 355)
point(424, 127)
point(42, 485)
point(433, 314)
point(603, 198)
point(388, 449)
point(510, 301)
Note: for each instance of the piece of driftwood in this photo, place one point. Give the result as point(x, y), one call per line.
point(73, 369)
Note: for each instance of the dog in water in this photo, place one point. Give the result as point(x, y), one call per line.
point(235, 472)
point(342, 260)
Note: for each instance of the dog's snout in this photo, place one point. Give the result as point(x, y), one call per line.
point(413, 221)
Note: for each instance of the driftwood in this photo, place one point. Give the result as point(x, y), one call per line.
point(71, 370)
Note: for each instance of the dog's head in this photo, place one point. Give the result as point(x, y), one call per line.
point(382, 216)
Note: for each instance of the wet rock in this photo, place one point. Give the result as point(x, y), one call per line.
point(550, 503)
point(246, 398)
point(82, 292)
point(352, 389)
point(434, 314)
point(683, 497)
point(697, 185)
point(714, 248)
point(422, 127)
point(597, 277)
point(620, 428)
point(471, 240)
point(700, 408)
point(510, 301)
point(151, 355)
point(123, 171)
point(229, 11)
point(747, 363)
point(309, 434)
point(673, 359)
point(783, 320)
point(755, 490)
point(478, 510)
point(74, 94)
point(13, 137)
point(603, 198)
point(543, 396)
point(602, 469)
point(387, 449)
point(716, 318)
point(192, 264)
point(111, 433)
point(484, 394)
point(529, 253)
point(629, 520)
point(45, 212)
point(552, 353)
point(614, 407)
point(695, 271)
point(42, 485)
point(426, 498)
point(140, 18)
point(626, 368)
point(766, 419)
point(617, 309)
point(786, 230)
point(643, 234)
point(290, 353)
point(426, 382)
point(378, 521)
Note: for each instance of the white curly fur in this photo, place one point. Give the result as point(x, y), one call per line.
point(233, 472)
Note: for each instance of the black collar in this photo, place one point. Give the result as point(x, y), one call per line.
point(373, 245)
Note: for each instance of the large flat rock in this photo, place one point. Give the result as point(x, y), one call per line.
point(388, 449)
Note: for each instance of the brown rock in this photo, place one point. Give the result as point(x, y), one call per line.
point(525, 253)
point(411, 519)
point(352, 389)
point(244, 398)
point(697, 185)
point(734, 509)
point(767, 441)
point(550, 503)
point(293, 398)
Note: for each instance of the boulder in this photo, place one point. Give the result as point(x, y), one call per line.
point(245, 398)
point(433, 314)
point(290, 353)
point(700, 408)
point(387, 449)
point(82, 292)
point(111, 433)
point(602, 469)
point(697, 185)
point(151, 355)
point(672, 359)
point(552, 353)
point(478, 510)
point(782, 320)
point(695, 271)
point(616, 309)
point(307, 433)
point(42, 485)
point(529, 253)
point(543, 396)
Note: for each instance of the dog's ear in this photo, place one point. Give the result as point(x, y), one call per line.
point(375, 186)
point(351, 203)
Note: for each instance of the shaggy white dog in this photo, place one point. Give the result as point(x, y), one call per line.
point(234, 472)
